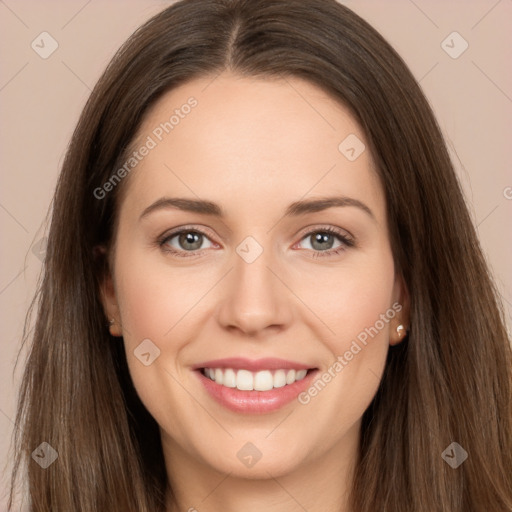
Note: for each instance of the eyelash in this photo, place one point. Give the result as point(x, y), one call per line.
point(346, 241)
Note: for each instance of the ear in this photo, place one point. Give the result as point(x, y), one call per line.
point(400, 323)
point(108, 295)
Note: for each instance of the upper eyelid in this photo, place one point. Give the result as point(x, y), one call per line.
point(184, 229)
point(334, 230)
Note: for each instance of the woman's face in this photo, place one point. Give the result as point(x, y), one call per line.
point(265, 279)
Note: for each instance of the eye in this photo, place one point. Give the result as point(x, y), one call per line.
point(188, 242)
point(185, 242)
point(322, 240)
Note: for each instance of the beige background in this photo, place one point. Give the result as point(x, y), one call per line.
point(41, 99)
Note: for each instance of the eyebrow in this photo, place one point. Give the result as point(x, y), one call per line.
point(293, 210)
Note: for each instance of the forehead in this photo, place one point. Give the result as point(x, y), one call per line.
point(251, 143)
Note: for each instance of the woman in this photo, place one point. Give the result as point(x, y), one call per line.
point(266, 371)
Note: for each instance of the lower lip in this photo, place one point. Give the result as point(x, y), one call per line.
point(255, 402)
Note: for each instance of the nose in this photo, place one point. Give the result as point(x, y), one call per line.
point(255, 300)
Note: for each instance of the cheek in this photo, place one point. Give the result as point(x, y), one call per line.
point(356, 304)
point(350, 297)
point(146, 305)
point(152, 307)
point(153, 298)
point(160, 304)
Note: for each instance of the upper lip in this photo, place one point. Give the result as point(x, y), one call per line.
point(255, 365)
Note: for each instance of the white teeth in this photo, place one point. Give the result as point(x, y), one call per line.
point(279, 379)
point(219, 376)
point(300, 374)
point(263, 381)
point(229, 379)
point(245, 380)
point(290, 377)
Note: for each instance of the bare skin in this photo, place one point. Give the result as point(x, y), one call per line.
point(253, 147)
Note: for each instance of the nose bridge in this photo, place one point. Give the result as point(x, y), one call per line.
point(254, 298)
point(252, 263)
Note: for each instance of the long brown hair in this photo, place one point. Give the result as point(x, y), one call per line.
point(449, 381)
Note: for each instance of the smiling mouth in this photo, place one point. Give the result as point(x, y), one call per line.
point(245, 380)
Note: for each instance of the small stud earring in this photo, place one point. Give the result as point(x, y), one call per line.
point(111, 327)
point(401, 331)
